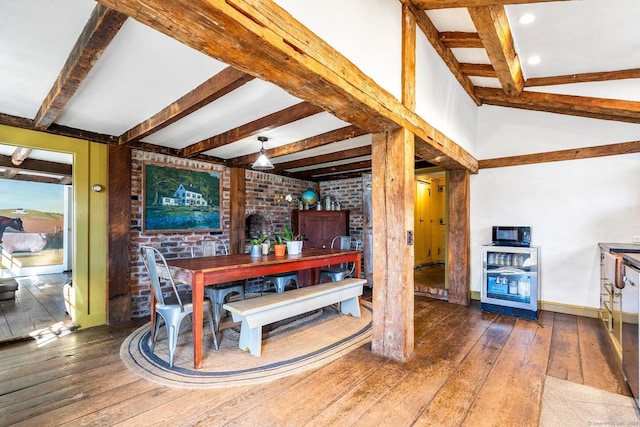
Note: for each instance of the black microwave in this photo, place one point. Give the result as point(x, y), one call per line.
point(511, 236)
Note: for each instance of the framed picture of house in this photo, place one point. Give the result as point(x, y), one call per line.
point(180, 199)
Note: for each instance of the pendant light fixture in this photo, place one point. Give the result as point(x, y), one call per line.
point(262, 163)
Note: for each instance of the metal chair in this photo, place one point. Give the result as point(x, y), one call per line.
point(172, 308)
point(336, 274)
point(218, 293)
point(280, 280)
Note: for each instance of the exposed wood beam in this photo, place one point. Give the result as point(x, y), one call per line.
point(431, 33)
point(453, 39)
point(22, 123)
point(19, 155)
point(584, 78)
point(263, 40)
point(325, 158)
point(98, 32)
point(459, 237)
point(214, 88)
point(341, 134)
point(408, 74)
point(495, 33)
point(37, 166)
point(595, 108)
point(480, 70)
point(561, 155)
point(447, 4)
point(365, 164)
point(272, 121)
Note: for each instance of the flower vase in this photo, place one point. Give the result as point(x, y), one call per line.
point(295, 247)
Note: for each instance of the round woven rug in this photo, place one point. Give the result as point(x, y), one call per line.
point(288, 347)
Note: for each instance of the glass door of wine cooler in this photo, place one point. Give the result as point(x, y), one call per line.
point(510, 280)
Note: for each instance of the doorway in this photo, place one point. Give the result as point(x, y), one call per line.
point(430, 225)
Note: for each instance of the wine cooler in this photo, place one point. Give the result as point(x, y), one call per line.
point(510, 280)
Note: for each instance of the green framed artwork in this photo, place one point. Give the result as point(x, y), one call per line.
point(180, 199)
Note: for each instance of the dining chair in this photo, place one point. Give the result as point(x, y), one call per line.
point(218, 293)
point(280, 280)
point(336, 274)
point(171, 307)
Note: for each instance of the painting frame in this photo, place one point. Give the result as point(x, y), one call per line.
point(180, 199)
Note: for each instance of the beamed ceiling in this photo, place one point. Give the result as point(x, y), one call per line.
point(159, 76)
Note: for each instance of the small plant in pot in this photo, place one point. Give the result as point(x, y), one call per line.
point(279, 245)
point(293, 241)
point(255, 245)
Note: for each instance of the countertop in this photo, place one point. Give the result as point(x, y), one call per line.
point(632, 259)
point(621, 247)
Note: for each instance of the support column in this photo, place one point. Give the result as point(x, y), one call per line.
point(459, 237)
point(392, 197)
point(237, 203)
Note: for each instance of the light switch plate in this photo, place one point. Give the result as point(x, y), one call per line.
point(635, 239)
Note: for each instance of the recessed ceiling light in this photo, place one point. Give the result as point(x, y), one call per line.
point(533, 60)
point(527, 18)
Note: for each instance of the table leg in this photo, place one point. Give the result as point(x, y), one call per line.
point(197, 291)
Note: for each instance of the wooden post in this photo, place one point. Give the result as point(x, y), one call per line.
point(392, 194)
point(237, 204)
point(459, 237)
point(119, 237)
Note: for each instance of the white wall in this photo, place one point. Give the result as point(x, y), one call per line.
point(571, 205)
point(440, 99)
point(367, 32)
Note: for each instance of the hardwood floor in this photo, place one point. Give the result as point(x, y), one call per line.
point(37, 308)
point(469, 368)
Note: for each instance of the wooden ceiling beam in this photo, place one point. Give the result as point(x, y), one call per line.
point(98, 32)
point(584, 78)
point(330, 137)
point(595, 108)
point(365, 164)
point(214, 88)
point(448, 4)
point(433, 36)
point(479, 70)
point(495, 33)
point(37, 166)
point(459, 39)
point(19, 155)
point(562, 155)
point(271, 121)
point(325, 158)
point(262, 39)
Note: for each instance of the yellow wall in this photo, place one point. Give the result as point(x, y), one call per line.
point(89, 221)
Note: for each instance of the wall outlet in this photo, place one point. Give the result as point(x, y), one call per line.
point(635, 239)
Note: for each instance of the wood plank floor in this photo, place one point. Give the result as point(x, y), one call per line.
point(469, 368)
point(38, 306)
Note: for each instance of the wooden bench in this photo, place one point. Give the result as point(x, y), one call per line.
point(257, 312)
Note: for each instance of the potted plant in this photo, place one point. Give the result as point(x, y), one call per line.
point(279, 245)
point(293, 242)
point(255, 245)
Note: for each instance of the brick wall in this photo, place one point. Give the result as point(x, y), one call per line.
point(265, 196)
point(349, 193)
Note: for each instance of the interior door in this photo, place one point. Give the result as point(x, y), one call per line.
point(422, 223)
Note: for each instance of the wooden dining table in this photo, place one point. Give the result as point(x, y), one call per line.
point(213, 270)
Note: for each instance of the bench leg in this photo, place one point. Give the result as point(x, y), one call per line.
point(250, 339)
point(351, 306)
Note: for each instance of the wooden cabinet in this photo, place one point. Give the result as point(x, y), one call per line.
point(320, 227)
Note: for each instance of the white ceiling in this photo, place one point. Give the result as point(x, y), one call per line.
point(143, 71)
